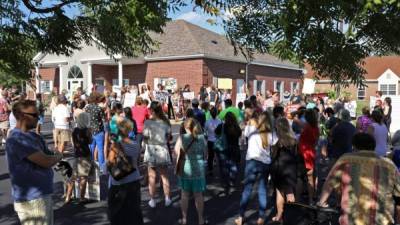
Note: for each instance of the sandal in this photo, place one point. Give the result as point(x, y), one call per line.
point(205, 222)
point(180, 222)
point(239, 221)
point(277, 219)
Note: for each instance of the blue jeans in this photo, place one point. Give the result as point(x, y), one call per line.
point(228, 169)
point(98, 140)
point(255, 171)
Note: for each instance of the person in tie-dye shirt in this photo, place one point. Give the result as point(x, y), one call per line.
point(369, 185)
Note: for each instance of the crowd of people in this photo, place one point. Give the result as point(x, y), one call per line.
point(285, 150)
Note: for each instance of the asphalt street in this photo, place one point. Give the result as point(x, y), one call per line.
point(219, 207)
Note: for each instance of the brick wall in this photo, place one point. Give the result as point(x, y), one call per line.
point(226, 69)
point(195, 72)
point(369, 91)
point(104, 72)
point(185, 71)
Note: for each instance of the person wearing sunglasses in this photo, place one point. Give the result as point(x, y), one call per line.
point(29, 162)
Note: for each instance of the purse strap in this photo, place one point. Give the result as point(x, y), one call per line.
point(188, 147)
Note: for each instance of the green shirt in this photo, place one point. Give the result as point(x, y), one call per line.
point(231, 109)
point(208, 115)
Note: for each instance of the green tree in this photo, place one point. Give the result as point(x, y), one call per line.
point(120, 27)
point(312, 32)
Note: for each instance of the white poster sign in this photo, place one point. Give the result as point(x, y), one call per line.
point(129, 99)
point(308, 86)
point(188, 95)
point(352, 108)
point(240, 97)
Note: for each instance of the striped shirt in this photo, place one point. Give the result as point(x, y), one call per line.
point(367, 184)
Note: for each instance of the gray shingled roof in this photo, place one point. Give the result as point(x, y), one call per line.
point(182, 38)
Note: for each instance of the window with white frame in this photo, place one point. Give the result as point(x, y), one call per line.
point(388, 89)
point(278, 86)
point(99, 82)
point(259, 85)
point(46, 86)
point(125, 82)
point(294, 86)
point(115, 82)
point(361, 93)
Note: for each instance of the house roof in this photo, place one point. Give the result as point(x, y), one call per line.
point(182, 38)
point(375, 66)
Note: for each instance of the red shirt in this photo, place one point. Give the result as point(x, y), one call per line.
point(140, 114)
point(308, 140)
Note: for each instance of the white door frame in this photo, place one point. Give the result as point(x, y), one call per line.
point(69, 85)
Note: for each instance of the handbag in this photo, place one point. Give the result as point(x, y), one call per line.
point(180, 162)
point(221, 143)
point(122, 166)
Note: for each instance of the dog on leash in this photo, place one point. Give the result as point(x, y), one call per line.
point(65, 169)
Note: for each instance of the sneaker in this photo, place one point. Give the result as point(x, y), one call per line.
point(168, 202)
point(152, 203)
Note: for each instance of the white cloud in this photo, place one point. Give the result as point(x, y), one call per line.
point(192, 17)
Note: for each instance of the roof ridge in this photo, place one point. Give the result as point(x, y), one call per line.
point(201, 48)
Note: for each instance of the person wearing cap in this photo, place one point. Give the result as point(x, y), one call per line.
point(341, 136)
point(198, 113)
point(61, 117)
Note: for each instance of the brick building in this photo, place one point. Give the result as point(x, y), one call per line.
point(187, 54)
point(383, 74)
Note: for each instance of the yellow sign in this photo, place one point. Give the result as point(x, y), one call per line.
point(224, 83)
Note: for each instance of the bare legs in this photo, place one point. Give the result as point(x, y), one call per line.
point(82, 187)
point(198, 201)
point(152, 172)
point(70, 188)
point(311, 185)
point(280, 201)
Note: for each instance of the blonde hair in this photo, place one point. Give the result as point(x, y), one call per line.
point(194, 127)
point(285, 134)
point(139, 100)
point(264, 128)
point(124, 127)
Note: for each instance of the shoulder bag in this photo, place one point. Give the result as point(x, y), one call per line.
point(122, 166)
point(180, 161)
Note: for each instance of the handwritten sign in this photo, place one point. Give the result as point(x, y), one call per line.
point(240, 97)
point(129, 99)
point(224, 83)
point(309, 86)
point(188, 95)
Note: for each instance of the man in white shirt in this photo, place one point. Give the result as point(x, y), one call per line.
point(61, 117)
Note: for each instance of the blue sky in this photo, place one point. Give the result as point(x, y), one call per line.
point(186, 13)
point(197, 17)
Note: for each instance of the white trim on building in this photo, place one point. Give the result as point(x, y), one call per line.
point(388, 83)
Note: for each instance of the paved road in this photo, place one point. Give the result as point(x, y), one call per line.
point(219, 208)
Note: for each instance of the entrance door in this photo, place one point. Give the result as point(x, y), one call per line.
point(75, 79)
point(74, 84)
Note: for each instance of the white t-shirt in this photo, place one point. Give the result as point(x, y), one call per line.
point(59, 116)
point(13, 121)
point(255, 150)
point(210, 127)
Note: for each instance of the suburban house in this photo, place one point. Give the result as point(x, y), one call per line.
point(383, 74)
point(187, 54)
